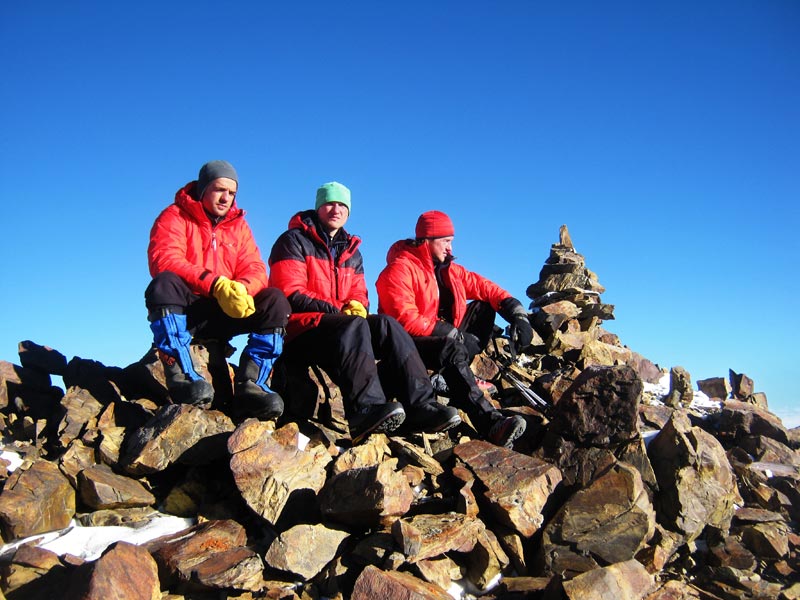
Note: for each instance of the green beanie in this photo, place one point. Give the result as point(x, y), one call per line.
point(333, 192)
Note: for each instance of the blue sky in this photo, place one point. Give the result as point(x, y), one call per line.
point(666, 135)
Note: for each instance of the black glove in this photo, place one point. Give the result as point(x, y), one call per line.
point(520, 328)
point(471, 341)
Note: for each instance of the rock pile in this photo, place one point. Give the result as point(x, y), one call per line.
point(609, 495)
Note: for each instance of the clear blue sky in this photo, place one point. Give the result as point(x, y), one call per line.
point(666, 135)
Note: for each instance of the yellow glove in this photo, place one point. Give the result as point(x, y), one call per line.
point(355, 308)
point(233, 298)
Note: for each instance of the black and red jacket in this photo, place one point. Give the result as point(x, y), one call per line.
point(303, 267)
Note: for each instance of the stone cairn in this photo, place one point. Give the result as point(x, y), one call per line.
point(614, 492)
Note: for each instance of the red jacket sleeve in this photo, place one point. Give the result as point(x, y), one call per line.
point(414, 309)
point(171, 247)
point(480, 288)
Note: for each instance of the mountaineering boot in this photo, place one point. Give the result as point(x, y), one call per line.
point(506, 430)
point(381, 418)
point(172, 339)
point(431, 417)
point(251, 395)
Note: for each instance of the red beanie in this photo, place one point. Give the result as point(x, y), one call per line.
point(434, 224)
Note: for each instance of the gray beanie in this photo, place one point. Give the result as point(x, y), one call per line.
point(214, 170)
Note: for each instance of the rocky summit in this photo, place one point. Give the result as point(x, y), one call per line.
point(627, 485)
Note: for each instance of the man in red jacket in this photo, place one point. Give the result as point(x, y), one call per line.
point(319, 267)
point(210, 282)
point(427, 293)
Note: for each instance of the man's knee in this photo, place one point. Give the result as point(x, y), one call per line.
point(272, 303)
point(273, 309)
point(166, 289)
point(454, 353)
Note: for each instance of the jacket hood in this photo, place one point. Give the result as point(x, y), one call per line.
point(186, 201)
point(408, 249)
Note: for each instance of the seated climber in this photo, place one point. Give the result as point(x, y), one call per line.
point(210, 281)
point(427, 293)
point(319, 267)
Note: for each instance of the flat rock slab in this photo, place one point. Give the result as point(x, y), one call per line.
point(269, 466)
point(517, 486)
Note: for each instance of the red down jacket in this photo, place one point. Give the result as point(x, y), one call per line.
point(184, 241)
point(302, 266)
point(407, 288)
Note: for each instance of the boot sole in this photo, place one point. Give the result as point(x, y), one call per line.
point(449, 424)
point(389, 423)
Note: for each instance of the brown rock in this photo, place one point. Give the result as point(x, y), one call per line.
point(516, 486)
point(290, 550)
point(680, 388)
point(416, 456)
point(661, 550)
point(268, 466)
point(367, 497)
point(116, 517)
point(28, 390)
point(645, 369)
point(123, 571)
point(698, 486)
point(486, 561)
point(738, 420)
point(767, 540)
point(524, 587)
point(36, 501)
point(716, 388)
point(621, 581)
point(441, 571)
point(466, 502)
point(598, 353)
point(80, 411)
point(369, 454)
point(674, 590)
point(394, 585)
point(33, 573)
point(428, 536)
point(611, 520)
point(101, 488)
point(742, 386)
point(177, 433)
point(732, 553)
point(759, 399)
point(211, 554)
point(766, 449)
point(77, 458)
point(554, 384)
point(600, 408)
point(549, 318)
point(41, 358)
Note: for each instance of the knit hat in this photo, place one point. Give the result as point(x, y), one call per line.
point(333, 192)
point(214, 170)
point(434, 224)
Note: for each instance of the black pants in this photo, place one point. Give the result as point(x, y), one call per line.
point(204, 317)
point(452, 360)
point(347, 348)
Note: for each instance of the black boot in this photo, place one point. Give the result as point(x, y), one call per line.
point(381, 418)
point(431, 417)
point(251, 395)
point(506, 429)
point(172, 339)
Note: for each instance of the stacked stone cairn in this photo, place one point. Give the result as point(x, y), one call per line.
point(615, 492)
